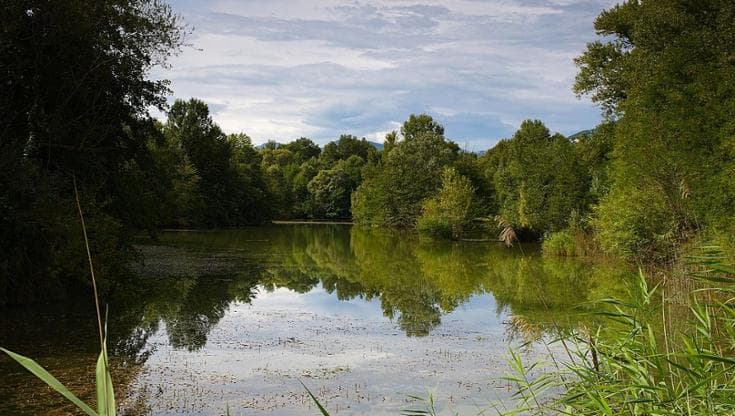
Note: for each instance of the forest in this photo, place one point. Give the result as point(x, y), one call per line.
point(656, 174)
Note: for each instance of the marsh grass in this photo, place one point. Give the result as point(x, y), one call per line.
point(631, 364)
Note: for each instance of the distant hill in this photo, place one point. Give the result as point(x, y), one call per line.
point(376, 145)
point(263, 145)
point(580, 134)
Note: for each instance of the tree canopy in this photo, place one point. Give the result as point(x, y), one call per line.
point(75, 98)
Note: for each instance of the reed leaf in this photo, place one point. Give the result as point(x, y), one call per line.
point(47, 378)
point(314, 399)
point(105, 392)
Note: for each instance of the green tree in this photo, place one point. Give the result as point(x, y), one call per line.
point(538, 179)
point(231, 183)
point(391, 139)
point(394, 190)
point(302, 149)
point(75, 99)
point(452, 209)
point(331, 189)
point(421, 125)
point(665, 70)
point(304, 203)
point(178, 201)
point(348, 145)
point(595, 152)
point(471, 167)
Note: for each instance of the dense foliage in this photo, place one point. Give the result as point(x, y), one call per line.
point(74, 103)
point(666, 71)
point(448, 212)
point(408, 173)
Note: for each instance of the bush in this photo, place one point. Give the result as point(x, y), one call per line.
point(432, 223)
point(636, 224)
point(560, 243)
point(451, 210)
point(626, 366)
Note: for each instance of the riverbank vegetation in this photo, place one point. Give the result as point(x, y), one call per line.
point(654, 179)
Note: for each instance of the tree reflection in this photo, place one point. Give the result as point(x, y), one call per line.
point(415, 281)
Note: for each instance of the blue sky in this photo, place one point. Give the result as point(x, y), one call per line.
point(281, 69)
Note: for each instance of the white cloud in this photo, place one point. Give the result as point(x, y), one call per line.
point(284, 69)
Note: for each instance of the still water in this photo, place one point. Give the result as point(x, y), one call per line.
point(234, 320)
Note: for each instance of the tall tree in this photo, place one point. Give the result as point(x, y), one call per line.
point(347, 145)
point(666, 69)
point(331, 189)
point(231, 185)
point(392, 193)
point(538, 179)
point(75, 99)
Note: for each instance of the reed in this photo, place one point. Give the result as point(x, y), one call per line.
point(631, 365)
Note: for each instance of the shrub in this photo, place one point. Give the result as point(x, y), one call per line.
point(636, 224)
point(451, 210)
point(432, 223)
point(630, 365)
point(560, 243)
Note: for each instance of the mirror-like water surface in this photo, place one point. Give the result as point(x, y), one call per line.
point(234, 319)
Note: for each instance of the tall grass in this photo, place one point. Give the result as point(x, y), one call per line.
point(631, 365)
point(103, 378)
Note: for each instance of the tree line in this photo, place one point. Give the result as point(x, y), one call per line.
point(657, 173)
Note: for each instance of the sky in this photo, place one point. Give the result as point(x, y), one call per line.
point(284, 69)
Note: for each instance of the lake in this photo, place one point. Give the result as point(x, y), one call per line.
point(235, 320)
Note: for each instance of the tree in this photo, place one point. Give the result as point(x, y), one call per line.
point(231, 185)
point(304, 206)
point(302, 149)
point(421, 125)
point(595, 152)
point(75, 102)
point(538, 179)
point(391, 139)
point(347, 145)
point(331, 189)
point(448, 212)
point(393, 191)
point(178, 201)
point(665, 69)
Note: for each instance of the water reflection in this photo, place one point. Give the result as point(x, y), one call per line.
point(415, 281)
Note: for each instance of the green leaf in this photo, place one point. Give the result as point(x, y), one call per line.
point(47, 378)
point(105, 391)
point(319, 405)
